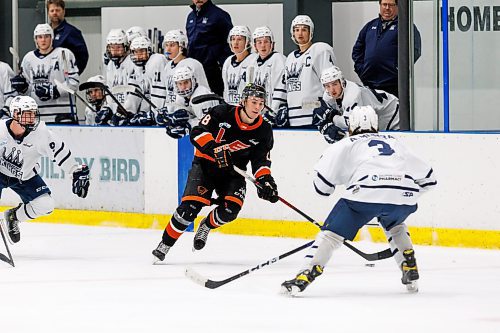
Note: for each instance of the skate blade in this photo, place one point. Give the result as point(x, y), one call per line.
point(290, 292)
point(412, 287)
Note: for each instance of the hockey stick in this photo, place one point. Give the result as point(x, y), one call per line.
point(8, 260)
point(89, 85)
point(67, 89)
point(131, 89)
point(66, 74)
point(387, 253)
point(17, 60)
point(211, 284)
point(214, 97)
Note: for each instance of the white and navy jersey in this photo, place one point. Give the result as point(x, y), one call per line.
point(303, 72)
point(385, 105)
point(118, 75)
point(144, 79)
point(39, 69)
point(375, 168)
point(21, 158)
point(270, 74)
point(168, 85)
point(236, 76)
point(6, 91)
point(196, 111)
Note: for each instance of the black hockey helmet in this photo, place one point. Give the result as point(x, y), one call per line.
point(255, 90)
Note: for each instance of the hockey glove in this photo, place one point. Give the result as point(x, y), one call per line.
point(46, 91)
point(270, 118)
point(222, 156)
point(103, 116)
point(81, 181)
point(282, 117)
point(331, 133)
point(119, 119)
point(179, 117)
point(177, 132)
point(4, 112)
point(267, 188)
point(19, 84)
point(142, 118)
point(162, 118)
point(323, 114)
point(106, 59)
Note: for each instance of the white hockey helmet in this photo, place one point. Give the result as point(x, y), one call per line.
point(363, 119)
point(24, 110)
point(90, 98)
point(332, 74)
point(302, 20)
point(240, 30)
point(176, 36)
point(43, 29)
point(262, 32)
point(116, 36)
point(140, 43)
point(184, 73)
point(134, 32)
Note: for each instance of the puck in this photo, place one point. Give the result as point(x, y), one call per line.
point(370, 265)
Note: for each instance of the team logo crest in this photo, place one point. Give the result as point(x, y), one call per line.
point(202, 190)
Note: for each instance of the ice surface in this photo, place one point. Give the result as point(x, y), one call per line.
point(93, 279)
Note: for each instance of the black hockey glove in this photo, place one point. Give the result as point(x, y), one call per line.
point(282, 117)
point(222, 156)
point(19, 84)
point(103, 116)
point(119, 119)
point(331, 133)
point(178, 132)
point(179, 117)
point(162, 118)
point(81, 181)
point(143, 118)
point(323, 114)
point(46, 91)
point(267, 188)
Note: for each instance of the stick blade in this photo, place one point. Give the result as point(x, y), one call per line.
point(207, 97)
point(195, 276)
point(64, 87)
point(122, 89)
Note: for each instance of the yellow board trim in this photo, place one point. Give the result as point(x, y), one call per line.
point(486, 239)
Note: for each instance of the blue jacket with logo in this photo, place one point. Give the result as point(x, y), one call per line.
point(207, 31)
point(375, 53)
point(68, 36)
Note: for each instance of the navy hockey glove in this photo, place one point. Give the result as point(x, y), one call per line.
point(106, 59)
point(103, 116)
point(142, 118)
point(282, 117)
point(19, 84)
point(331, 133)
point(267, 188)
point(179, 117)
point(223, 159)
point(270, 118)
point(177, 132)
point(81, 181)
point(46, 91)
point(162, 118)
point(323, 114)
point(119, 119)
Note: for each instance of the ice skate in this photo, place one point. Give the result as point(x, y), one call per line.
point(410, 271)
point(301, 281)
point(200, 239)
point(11, 224)
point(160, 252)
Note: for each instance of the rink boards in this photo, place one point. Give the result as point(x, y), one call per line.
point(135, 184)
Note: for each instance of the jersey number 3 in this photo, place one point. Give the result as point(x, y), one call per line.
point(383, 147)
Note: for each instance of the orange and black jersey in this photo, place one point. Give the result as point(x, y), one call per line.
point(222, 125)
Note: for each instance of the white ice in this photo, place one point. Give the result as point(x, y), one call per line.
point(94, 279)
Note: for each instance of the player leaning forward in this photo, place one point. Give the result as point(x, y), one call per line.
point(227, 135)
point(24, 140)
point(383, 180)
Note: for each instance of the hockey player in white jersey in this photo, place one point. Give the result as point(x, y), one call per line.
point(183, 115)
point(303, 71)
point(236, 72)
point(134, 32)
point(175, 48)
point(269, 70)
point(341, 96)
point(147, 72)
point(102, 113)
point(25, 138)
point(120, 66)
point(41, 68)
point(383, 180)
point(6, 90)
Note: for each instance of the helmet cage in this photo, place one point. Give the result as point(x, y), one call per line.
point(24, 111)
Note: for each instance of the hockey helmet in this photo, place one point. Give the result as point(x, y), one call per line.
point(24, 110)
point(240, 30)
point(92, 98)
point(134, 32)
point(262, 32)
point(363, 119)
point(116, 37)
point(332, 74)
point(184, 73)
point(140, 43)
point(255, 90)
point(302, 20)
point(43, 29)
point(176, 36)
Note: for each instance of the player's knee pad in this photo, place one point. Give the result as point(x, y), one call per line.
point(43, 205)
point(226, 213)
point(188, 210)
point(321, 251)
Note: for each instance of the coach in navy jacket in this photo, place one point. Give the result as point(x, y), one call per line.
point(375, 53)
point(67, 35)
point(207, 28)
